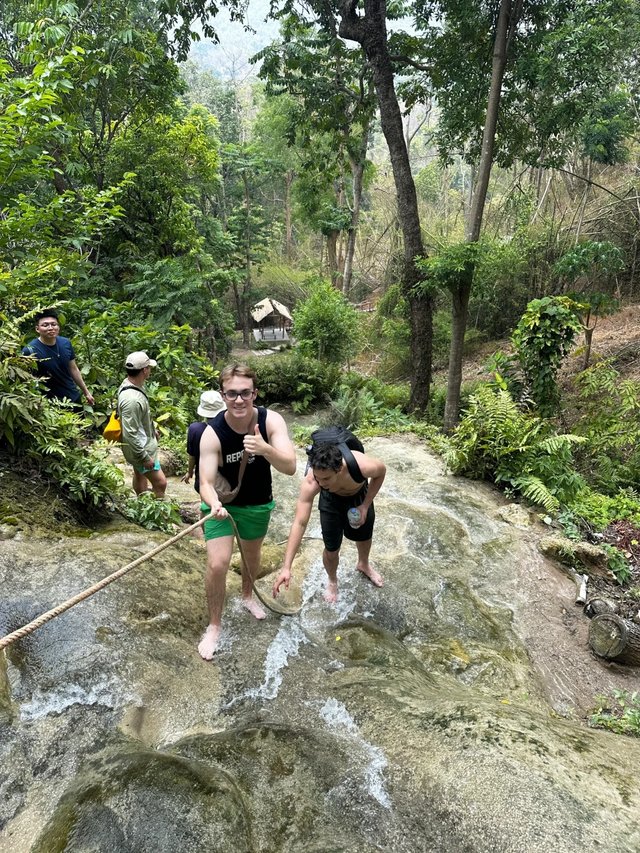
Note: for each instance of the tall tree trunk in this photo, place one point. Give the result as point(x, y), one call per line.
point(332, 258)
point(288, 180)
point(370, 31)
point(246, 290)
point(507, 19)
point(357, 170)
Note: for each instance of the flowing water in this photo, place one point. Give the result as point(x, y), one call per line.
point(439, 713)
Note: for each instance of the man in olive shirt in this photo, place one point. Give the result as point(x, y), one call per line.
point(139, 443)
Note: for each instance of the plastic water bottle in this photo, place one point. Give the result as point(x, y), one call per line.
point(354, 516)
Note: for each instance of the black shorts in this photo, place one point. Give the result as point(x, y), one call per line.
point(335, 521)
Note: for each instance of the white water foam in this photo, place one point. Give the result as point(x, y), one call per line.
point(285, 645)
point(337, 718)
point(107, 692)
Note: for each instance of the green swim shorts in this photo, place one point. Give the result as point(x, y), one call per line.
point(252, 521)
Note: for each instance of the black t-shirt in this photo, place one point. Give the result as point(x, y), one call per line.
point(194, 434)
point(256, 485)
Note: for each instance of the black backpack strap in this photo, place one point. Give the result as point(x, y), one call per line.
point(352, 466)
point(135, 388)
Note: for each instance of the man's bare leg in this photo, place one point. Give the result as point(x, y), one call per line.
point(158, 483)
point(139, 483)
point(218, 559)
point(365, 566)
point(252, 550)
point(330, 560)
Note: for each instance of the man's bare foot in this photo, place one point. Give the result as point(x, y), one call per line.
point(369, 572)
point(331, 592)
point(209, 642)
point(254, 608)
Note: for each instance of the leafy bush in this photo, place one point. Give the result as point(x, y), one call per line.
point(434, 413)
point(295, 379)
point(617, 563)
point(149, 512)
point(610, 424)
point(495, 440)
point(619, 714)
point(326, 326)
point(390, 395)
point(542, 339)
point(598, 511)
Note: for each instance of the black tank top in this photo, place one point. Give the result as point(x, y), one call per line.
point(256, 483)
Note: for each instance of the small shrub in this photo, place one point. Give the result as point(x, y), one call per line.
point(619, 713)
point(617, 563)
point(326, 326)
point(149, 512)
point(610, 409)
point(542, 339)
point(292, 378)
point(598, 511)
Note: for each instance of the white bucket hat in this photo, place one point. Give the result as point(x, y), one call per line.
point(211, 403)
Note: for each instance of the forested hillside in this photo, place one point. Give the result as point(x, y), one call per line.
point(409, 188)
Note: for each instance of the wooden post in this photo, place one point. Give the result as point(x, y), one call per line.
point(615, 639)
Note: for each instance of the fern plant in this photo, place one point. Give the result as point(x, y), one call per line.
point(610, 423)
point(496, 441)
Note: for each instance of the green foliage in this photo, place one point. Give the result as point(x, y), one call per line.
point(445, 269)
point(542, 339)
point(438, 398)
point(495, 440)
point(617, 563)
point(389, 334)
point(609, 407)
point(359, 409)
point(590, 259)
point(597, 511)
point(561, 65)
point(149, 512)
point(295, 379)
point(607, 128)
point(326, 326)
point(502, 279)
point(619, 713)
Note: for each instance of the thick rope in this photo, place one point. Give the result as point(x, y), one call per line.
point(268, 603)
point(41, 620)
point(71, 602)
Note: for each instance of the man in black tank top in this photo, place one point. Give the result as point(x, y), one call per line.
point(263, 435)
point(346, 490)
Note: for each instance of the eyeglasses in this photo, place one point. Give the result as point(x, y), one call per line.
point(246, 394)
point(49, 325)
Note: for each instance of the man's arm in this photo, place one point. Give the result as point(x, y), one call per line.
point(209, 459)
point(308, 491)
point(74, 370)
point(279, 450)
point(192, 467)
point(375, 471)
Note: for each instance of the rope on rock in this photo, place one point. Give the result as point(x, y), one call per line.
point(71, 602)
point(41, 620)
point(270, 604)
